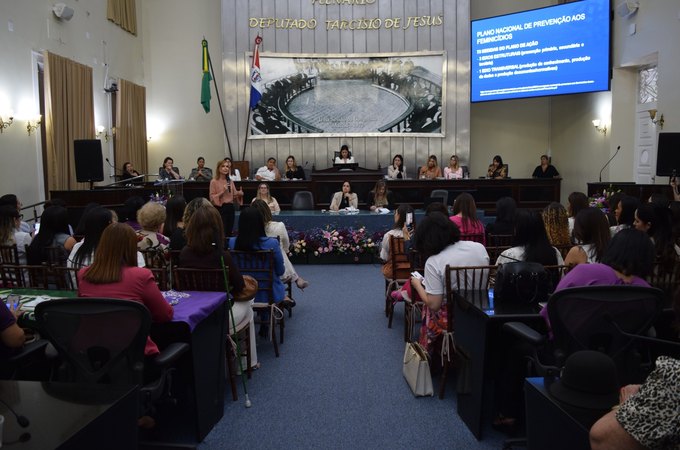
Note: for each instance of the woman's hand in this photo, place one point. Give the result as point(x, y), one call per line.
point(628, 391)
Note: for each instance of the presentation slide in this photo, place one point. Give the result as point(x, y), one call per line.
point(561, 49)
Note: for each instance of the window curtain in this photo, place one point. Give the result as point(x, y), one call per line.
point(131, 126)
point(123, 13)
point(69, 115)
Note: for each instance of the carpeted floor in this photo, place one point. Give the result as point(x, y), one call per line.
point(338, 381)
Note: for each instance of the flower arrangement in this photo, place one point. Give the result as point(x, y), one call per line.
point(335, 241)
point(158, 197)
point(601, 201)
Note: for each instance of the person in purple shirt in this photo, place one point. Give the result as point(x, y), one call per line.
point(12, 336)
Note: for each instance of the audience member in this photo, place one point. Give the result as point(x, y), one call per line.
point(232, 172)
point(506, 208)
point(223, 193)
point(531, 242)
point(264, 195)
point(438, 239)
point(268, 172)
point(168, 171)
point(94, 223)
point(174, 210)
point(205, 250)
point(128, 214)
point(278, 230)
point(396, 170)
point(659, 200)
point(431, 170)
point(114, 274)
point(12, 336)
point(575, 203)
point(453, 171)
point(293, 171)
point(200, 172)
point(614, 200)
point(399, 230)
point(497, 169)
point(54, 231)
point(380, 197)
point(10, 233)
point(436, 207)
point(345, 156)
point(545, 169)
point(625, 213)
point(647, 416)
point(13, 200)
point(252, 236)
point(178, 239)
point(151, 217)
point(128, 171)
point(591, 235)
point(465, 217)
point(656, 222)
point(556, 224)
point(344, 199)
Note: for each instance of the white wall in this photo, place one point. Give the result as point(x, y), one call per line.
point(34, 28)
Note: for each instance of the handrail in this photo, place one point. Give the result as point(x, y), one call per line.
point(35, 211)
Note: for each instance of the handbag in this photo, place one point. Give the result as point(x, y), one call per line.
point(249, 290)
point(522, 282)
point(417, 370)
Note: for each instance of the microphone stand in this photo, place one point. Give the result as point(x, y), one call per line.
point(610, 160)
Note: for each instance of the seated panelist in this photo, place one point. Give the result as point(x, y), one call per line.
point(268, 172)
point(345, 156)
point(396, 171)
point(545, 169)
point(128, 171)
point(293, 171)
point(200, 172)
point(497, 169)
point(168, 171)
point(430, 171)
point(344, 199)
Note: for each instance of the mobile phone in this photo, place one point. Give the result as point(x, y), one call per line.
point(409, 218)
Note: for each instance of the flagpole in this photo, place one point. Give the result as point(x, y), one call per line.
point(258, 40)
point(219, 102)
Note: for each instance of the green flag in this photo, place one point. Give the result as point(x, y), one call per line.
point(205, 83)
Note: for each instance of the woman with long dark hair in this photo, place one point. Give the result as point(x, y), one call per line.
point(94, 223)
point(506, 208)
point(399, 230)
point(625, 213)
point(497, 169)
point(174, 209)
point(656, 222)
point(575, 203)
point(531, 242)
point(344, 199)
point(54, 231)
point(396, 170)
point(591, 234)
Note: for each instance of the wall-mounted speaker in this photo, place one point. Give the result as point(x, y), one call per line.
point(87, 154)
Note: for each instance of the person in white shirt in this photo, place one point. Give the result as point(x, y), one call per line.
point(232, 172)
point(269, 172)
point(345, 157)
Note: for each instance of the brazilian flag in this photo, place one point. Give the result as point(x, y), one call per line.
point(205, 83)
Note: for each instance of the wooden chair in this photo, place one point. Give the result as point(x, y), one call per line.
point(466, 279)
point(192, 279)
point(259, 264)
point(9, 260)
point(158, 260)
point(499, 240)
point(400, 271)
point(665, 277)
point(474, 237)
point(415, 304)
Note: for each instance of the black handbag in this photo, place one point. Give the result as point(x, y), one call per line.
point(522, 282)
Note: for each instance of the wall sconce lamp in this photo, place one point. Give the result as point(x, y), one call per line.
point(656, 119)
point(600, 125)
point(5, 124)
point(33, 124)
point(103, 132)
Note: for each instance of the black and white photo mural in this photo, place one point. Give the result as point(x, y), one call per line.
point(350, 95)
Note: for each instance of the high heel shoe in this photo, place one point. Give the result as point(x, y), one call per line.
point(301, 284)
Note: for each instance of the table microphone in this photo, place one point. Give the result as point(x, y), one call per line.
point(21, 420)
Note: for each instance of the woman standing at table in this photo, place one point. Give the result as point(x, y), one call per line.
point(264, 195)
point(396, 171)
point(223, 193)
point(344, 199)
point(293, 171)
point(114, 274)
point(453, 171)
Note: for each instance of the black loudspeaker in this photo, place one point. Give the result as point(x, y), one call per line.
point(87, 154)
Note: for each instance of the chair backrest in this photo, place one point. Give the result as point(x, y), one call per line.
point(474, 237)
point(259, 264)
point(100, 340)
point(399, 259)
point(665, 277)
point(441, 193)
point(466, 171)
point(303, 200)
point(462, 279)
point(9, 254)
point(191, 279)
point(499, 240)
point(583, 318)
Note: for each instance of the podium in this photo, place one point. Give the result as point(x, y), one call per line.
point(168, 189)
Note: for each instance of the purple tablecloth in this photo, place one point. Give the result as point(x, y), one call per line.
point(199, 305)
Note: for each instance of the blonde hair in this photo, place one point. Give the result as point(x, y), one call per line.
point(268, 198)
point(151, 216)
point(556, 224)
